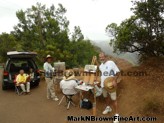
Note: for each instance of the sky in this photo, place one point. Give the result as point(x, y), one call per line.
point(91, 15)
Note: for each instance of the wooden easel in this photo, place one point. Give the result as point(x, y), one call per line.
point(93, 78)
point(90, 78)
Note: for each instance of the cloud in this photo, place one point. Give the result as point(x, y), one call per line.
point(91, 15)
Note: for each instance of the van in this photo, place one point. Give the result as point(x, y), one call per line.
point(17, 61)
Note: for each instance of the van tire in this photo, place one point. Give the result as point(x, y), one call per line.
point(4, 87)
point(37, 84)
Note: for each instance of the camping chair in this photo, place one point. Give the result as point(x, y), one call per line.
point(18, 89)
point(68, 100)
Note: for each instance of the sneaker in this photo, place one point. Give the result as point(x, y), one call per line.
point(55, 99)
point(107, 110)
point(116, 120)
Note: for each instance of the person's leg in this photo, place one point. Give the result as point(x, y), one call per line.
point(115, 106)
point(28, 87)
point(48, 90)
point(113, 96)
point(105, 95)
point(23, 87)
point(52, 90)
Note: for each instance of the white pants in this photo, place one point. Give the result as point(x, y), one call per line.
point(27, 87)
point(50, 88)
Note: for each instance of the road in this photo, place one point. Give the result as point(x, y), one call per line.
point(35, 108)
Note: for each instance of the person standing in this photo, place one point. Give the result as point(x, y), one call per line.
point(109, 70)
point(48, 69)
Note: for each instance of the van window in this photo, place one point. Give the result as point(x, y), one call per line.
point(17, 64)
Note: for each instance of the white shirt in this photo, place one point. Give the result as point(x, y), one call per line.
point(109, 68)
point(68, 87)
point(31, 75)
point(48, 69)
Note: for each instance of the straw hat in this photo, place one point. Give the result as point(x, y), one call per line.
point(108, 84)
point(47, 57)
point(69, 75)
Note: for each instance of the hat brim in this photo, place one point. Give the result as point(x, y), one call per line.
point(49, 57)
point(108, 84)
point(69, 78)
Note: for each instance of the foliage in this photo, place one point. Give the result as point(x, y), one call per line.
point(143, 32)
point(7, 43)
point(82, 52)
point(42, 29)
point(77, 35)
point(45, 31)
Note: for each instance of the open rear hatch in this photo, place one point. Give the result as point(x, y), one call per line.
point(17, 58)
point(16, 54)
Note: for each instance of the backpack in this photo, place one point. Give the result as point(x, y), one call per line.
point(86, 104)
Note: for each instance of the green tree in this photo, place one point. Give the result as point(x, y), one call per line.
point(44, 30)
point(7, 43)
point(77, 35)
point(81, 53)
point(143, 32)
point(81, 50)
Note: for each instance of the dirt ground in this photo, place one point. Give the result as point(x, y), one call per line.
point(35, 108)
point(133, 93)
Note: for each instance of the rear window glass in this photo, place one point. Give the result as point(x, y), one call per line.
point(15, 65)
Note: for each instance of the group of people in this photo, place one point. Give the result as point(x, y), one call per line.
point(68, 83)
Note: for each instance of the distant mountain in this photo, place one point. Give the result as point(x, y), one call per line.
point(105, 47)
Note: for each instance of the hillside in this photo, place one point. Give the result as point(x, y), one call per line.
point(105, 47)
point(142, 94)
point(139, 94)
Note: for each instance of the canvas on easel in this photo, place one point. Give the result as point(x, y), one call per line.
point(89, 74)
point(59, 69)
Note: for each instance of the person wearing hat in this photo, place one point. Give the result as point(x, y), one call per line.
point(109, 76)
point(48, 69)
point(69, 83)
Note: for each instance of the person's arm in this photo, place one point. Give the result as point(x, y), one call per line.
point(17, 79)
point(51, 68)
point(115, 80)
point(96, 61)
point(61, 83)
point(75, 84)
point(27, 78)
point(45, 67)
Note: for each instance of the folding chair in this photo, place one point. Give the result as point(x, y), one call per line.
point(68, 100)
point(18, 89)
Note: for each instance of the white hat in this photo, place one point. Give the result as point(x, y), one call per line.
point(48, 56)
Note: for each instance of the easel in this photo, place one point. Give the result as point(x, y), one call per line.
point(90, 79)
